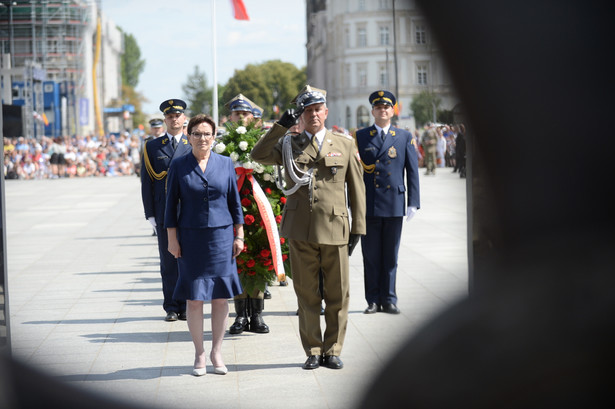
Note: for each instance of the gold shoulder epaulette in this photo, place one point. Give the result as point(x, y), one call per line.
point(148, 166)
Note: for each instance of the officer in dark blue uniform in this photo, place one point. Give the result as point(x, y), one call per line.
point(386, 154)
point(157, 156)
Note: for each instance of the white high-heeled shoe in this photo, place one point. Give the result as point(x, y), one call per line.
point(199, 371)
point(220, 370)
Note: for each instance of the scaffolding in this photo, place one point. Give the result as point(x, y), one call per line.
point(50, 36)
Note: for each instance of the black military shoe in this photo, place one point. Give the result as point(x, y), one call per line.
point(171, 316)
point(372, 308)
point(312, 362)
point(333, 362)
point(390, 309)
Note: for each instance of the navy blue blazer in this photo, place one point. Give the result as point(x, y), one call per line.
point(160, 153)
point(201, 200)
point(385, 191)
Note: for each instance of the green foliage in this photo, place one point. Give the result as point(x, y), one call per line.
point(131, 63)
point(271, 83)
point(424, 106)
point(198, 95)
point(254, 264)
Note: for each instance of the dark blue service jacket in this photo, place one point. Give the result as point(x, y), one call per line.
point(202, 200)
point(393, 158)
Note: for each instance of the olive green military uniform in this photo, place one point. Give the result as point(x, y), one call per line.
point(316, 221)
point(429, 142)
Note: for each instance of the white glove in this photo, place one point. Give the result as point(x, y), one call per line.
point(152, 220)
point(410, 213)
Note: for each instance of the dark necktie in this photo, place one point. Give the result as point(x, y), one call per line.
point(174, 142)
point(382, 134)
point(315, 143)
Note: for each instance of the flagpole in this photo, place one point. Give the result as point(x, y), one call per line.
point(213, 47)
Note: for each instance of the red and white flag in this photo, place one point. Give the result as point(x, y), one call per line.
point(239, 10)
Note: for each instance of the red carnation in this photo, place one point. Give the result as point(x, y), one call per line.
point(284, 257)
point(282, 240)
point(246, 202)
point(268, 191)
point(249, 219)
point(240, 261)
point(267, 262)
point(270, 268)
point(278, 218)
point(283, 200)
point(245, 248)
point(251, 273)
point(245, 192)
point(265, 252)
point(250, 263)
point(238, 271)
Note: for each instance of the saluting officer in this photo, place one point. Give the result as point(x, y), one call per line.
point(387, 153)
point(157, 156)
point(323, 178)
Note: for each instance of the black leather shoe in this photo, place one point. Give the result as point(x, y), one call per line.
point(333, 362)
point(312, 362)
point(182, 316)
point(390, 309)
point(372, 308)
point(171, 316)
point(267, 295)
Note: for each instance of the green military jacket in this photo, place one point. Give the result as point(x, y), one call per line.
point(319, 212)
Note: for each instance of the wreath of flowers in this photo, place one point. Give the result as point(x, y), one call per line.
point(255, 263)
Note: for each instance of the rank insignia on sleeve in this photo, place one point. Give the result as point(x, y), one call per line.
point(330, 154)
point(392, 152)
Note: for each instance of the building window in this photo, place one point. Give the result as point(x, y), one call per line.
point(348, 118)
point(361, 5)
point(384, 35)
point(347, 82)
point(420, 35)
point(361, 37)
point(384, 4)
point(383, 77)
point(362, 75)
point(362, 117)
point(421, 74)
point(347, 37)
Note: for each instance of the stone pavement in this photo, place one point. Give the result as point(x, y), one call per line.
point(85, 302)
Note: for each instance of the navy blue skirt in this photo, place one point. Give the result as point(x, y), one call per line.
point(207, 269)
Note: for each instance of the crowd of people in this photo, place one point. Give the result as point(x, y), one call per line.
point(78, 156)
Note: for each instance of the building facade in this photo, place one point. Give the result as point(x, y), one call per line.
point(355, 47)
point(74, 53)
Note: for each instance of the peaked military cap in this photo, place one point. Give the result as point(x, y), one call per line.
point(257, 111)
point(382, 98)
point(310, 96)
point(239, 103)
point(172, 106)
point(155, 123)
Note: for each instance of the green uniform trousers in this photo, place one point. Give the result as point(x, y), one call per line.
point(307, 259)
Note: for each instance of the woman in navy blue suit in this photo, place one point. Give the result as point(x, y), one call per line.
point(204, 223)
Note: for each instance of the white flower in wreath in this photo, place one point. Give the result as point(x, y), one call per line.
point(267, 177)
point(241, 130)
point(220, 147)
point(248, 165)
point(234, 156)
point(259, 168)
point(243, 145)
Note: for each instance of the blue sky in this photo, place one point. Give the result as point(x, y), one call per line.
point(175, 36)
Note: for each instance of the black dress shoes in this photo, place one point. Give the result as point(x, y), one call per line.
point(372, 308)
point(390, 309)
point(333, 362)
point(171, 316)
point(312, 362)
point(182, 316)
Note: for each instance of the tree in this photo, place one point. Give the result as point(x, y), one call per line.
point(425, 107)
point(270, 84)
point(198, 94)
point(131, 64)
